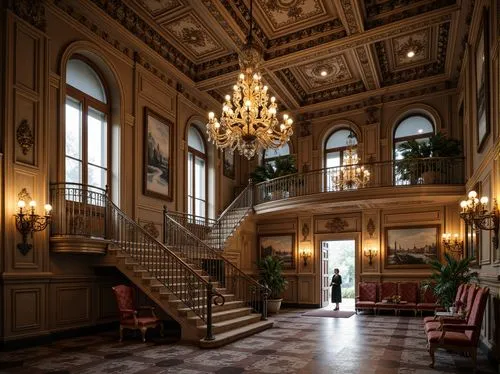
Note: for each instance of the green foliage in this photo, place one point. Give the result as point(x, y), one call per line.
point(271, 275)
point(348, 293)
point(283, 165)
point(409, 168)
point(448, 276)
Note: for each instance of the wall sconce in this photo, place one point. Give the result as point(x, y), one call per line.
point(370, 253)
point(474, 213)
point(455, 245)
point(29, 222)
point(306, 253)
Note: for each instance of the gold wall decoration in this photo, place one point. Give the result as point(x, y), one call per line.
point(151, 229)
point(336, 225)
point(24, 195)
point(370, 228)
point(24, 136)
point(305, 231)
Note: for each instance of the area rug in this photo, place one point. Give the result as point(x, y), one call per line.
point(329, 313)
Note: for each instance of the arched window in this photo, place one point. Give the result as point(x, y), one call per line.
point(336, 146)
point(270, 155)
point(197, 173)
point(87, 125)
point(415, 127)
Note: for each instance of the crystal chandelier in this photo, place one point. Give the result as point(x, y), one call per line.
point(350, 175)
point(249, 119)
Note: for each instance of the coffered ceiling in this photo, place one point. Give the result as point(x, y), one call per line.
point(317, 53)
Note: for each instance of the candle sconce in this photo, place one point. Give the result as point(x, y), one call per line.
point(370, 253)
point(306, 254)
point(453, 245)
point(474, 213)
point(28, 222)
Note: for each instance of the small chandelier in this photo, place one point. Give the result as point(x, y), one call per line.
point(350, 176)
point(249, 119)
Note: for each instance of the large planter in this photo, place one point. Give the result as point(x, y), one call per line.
point(273, 306)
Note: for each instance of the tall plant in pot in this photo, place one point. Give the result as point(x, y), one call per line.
point(447, 276)
point(283, 166)
point(271, 276)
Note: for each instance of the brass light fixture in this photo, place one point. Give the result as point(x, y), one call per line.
point(370, 253)
point(452, 245)
point(28, 222)
point(474, 213)
point(306, 254)
point(249, 119)
point(350, 175)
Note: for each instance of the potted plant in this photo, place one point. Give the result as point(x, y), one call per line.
point(282, 166)
point(411, 168)
point(448, 276)
point(271, 276)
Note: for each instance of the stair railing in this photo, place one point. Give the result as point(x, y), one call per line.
point(82, 204)
point(218, 267)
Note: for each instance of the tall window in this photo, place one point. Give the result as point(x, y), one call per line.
point(270, 155)
point(87, 116)
point(336, 146)
point(197, 173)
point(415, 127)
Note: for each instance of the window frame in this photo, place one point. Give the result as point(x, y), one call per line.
point(86, 102)
point(416, 137)
point(204, 156)
point(341, 150)
point(271, 160)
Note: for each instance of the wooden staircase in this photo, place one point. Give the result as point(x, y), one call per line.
point(230, 321)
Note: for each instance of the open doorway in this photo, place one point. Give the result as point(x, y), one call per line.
point(339, 254)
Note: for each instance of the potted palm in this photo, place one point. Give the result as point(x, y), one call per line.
point(282, 166)
point(411, 168)
point(271, 276)
point(448, 276)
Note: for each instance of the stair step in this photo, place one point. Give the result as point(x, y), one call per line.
point(230, 324)
point(224, 315)
point(235, 334)
point(175, 301)
point(215, 308)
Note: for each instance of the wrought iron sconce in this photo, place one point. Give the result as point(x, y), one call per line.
point(306, 254)
point(474, 213)
point(455, 245)
point(370, 253)
point(27, 222)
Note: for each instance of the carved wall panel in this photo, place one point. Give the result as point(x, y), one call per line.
point(25, 304)
point(155, 93)
point(24, 127)
point(305, 293)
point(412, 217)
point(486, 236)
point(348, 222)
point(106, 302)
point(290, 295)
point(27, 46)
point(72, 303)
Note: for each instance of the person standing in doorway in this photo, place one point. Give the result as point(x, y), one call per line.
point(336, 290)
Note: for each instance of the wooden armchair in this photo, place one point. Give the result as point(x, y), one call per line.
point(129, 313)
point(367, 296)
point(461, 337)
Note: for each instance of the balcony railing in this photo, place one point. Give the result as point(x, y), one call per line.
point(425, 171)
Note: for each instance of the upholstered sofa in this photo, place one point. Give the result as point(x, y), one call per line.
point(377, 296)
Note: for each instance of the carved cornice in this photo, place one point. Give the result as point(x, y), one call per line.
point(220, 66)
point(390, 11)
point(365, 66)
point(418, 72)
point(350, 17)
point(32, 11)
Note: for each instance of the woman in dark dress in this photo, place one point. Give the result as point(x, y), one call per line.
point(336, 291)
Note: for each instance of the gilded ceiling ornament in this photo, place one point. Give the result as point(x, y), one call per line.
point(32, 11)
point(370, 228)
point(417, 46)
point(151, 229)
point(24, 136)
point(195, 37)
point(336, 225)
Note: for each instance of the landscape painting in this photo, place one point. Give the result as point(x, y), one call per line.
point(281, 245)
point(411, 246)
point(157, 156)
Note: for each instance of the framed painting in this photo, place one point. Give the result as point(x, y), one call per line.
point(412, 246)
point(482, 78)
point(228, 164)
point(281, 245)
point(158, 161)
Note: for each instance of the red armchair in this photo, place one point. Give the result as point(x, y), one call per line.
point(129, 314)
point(408, 291)
point(367, 296)
point(461, 290)
point(461, 337)
point(386, 291)
point(428, 301)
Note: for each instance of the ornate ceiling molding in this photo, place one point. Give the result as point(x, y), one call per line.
point(32, 11)
point(368, 69)
point(352, 17)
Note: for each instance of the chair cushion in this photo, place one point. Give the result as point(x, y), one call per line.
point(387, 290)
point(429, 319)
point(365, 304)
point(141, 321)
point(432, 326)
point(408, 291)
point(450, 338)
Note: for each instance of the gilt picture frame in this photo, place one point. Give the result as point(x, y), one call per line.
point(411, 246)
point(281, 245)
point(482, 82)
point(158, 156)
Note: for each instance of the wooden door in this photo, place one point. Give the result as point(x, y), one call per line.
point(325, 281)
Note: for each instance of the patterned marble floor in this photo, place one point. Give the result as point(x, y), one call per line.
point(297, 344)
